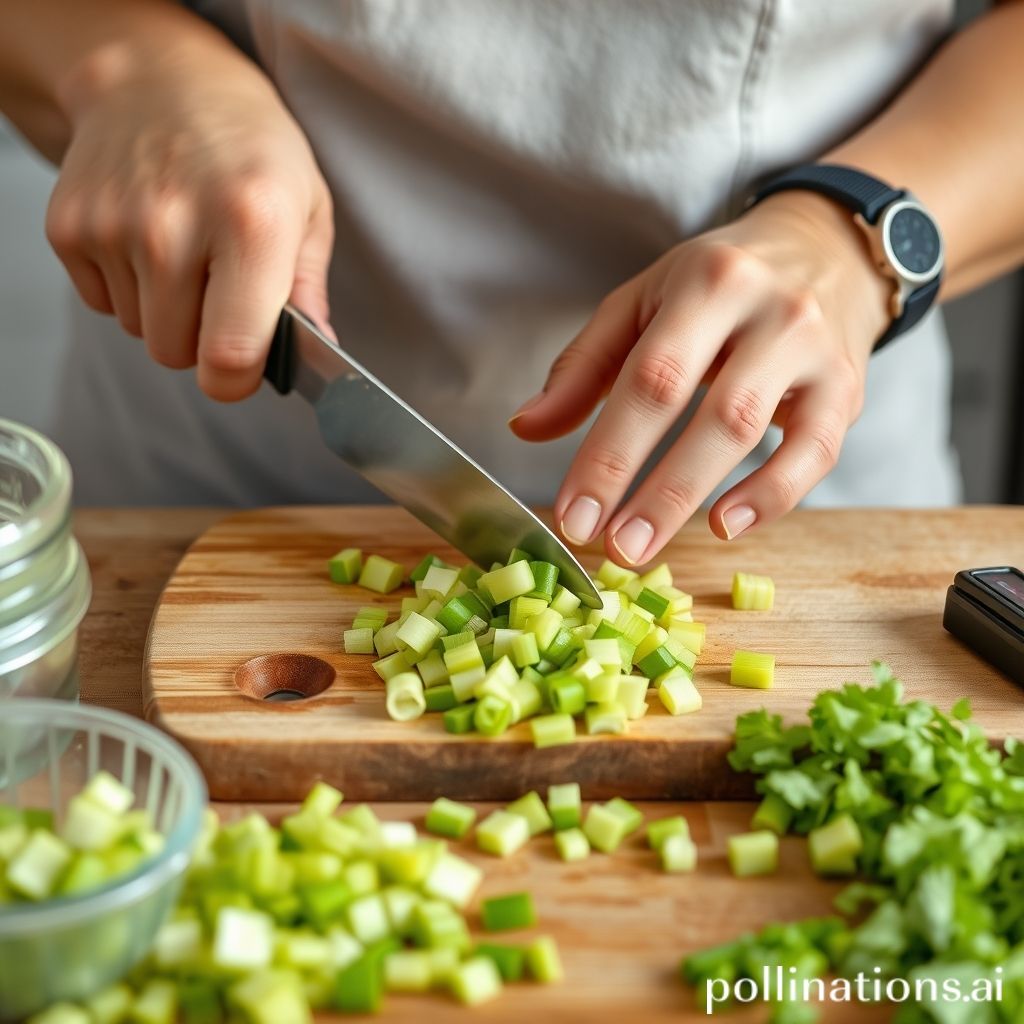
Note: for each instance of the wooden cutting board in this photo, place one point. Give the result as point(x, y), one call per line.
point(851, 585)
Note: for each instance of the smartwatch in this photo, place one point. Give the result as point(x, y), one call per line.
point(904, 240)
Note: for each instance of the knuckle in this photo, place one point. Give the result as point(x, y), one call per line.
point(801, 310)
point(743, 417)
point(782, 490)
point(675, 494)
point(575, 360)
point(660, 380)
point(824, 442)
point(159, 227)
point(229, 355)
point(63, 226)
point(612, 465)
point(729, 267)
point(256, 208)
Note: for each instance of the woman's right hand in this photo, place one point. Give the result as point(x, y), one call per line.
point(189, 205)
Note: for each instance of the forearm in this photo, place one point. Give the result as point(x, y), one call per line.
point(955, 138)
point(56, 54)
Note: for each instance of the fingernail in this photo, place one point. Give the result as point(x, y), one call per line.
point(580, 519)
point(633, 540)
point(527, 406)
point(737, 519)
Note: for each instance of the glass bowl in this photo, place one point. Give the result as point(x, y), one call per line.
point(44, 577)
point(69, 947)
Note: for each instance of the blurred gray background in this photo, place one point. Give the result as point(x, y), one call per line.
point(987, 329)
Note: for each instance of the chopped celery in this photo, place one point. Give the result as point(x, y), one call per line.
point(632, 817)
point(752, 593)
point(605, 829)
point(652, 602)
point(368, 918)
point(502, 833)
point(107, 792)
point(564, 601)
point(658, 831)
point(522, 609)
point(631, 693)
point(493, 715)
point(605, 652)
point(545, 627)
point(37, 868)
point(659, 661)
point(545, 579)
point(432, 669)
point(543, 960)
point(448, 818)
point(380, 574)
point(564, 805)
point(678, 854)
point(405, 700)
point(61, 1013)
point(453, 879)
point(455, 614)
point(440, 698)
point(689, 634)
point(359, 987)
point(659, 576)
point(111, 1004)
point(271, 997)
point(754, 853)
point(345, 566)
point(835, 846)
point(408, 970)
point(439, 582)
point(510, 960)
point(89, 825)
point(773, 813)
point(509, 581)
point(524, 650)
point(753, 670)
point(392, 665)
point(177, 942)
point(157, 1003)
point(606, 717)
point(359, 641)
point(525, 698)
point(613, 576)
point(514, 910)
point(552, 730)
point(417, 634)
point(679, 696)
point(567, 695)
point(421, 569)
point(476, 980)
point(532, 808)
point(459, 719)
point(243, 939)
point(572, 844)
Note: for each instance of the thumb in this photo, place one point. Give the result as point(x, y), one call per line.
point(583, 373)
point(309, 288)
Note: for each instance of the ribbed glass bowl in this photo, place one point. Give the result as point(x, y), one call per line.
point(69, 947)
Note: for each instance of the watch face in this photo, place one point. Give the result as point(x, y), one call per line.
point(914, 240)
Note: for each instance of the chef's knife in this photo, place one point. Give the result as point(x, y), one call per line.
point(385, 440)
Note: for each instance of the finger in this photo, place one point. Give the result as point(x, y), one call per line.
point(813, 437)
point(168, 266)
point(64, 235)
point(585, 370)
point(309, 289)
point(658, 379)
point(123, 287)
point(730, 420)
point(250, 278)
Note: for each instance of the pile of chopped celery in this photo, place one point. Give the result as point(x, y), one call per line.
point(927, 815)
point(490, 649)
point(101, 838)
point(331, 910)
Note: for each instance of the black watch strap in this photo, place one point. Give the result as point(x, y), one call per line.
point(856, 190)
point(917, 303)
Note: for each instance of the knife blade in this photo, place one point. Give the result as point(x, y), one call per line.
point(403, 455)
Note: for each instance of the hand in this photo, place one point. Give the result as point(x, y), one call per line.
point(777, 314)
point(189, 205)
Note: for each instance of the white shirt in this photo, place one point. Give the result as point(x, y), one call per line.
point(497, 168)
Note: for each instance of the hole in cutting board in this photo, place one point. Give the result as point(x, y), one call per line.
point(283, 678)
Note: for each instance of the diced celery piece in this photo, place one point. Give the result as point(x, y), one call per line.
point(448, 818)
point(773, 813)
point(110, 1005)
point(754, 853)
point(380, 574)
point(408, 970)
point(545, 579)
point(545, 627)
point(682, 654)
point(303, 950)
point(604, 828)
point(653, 602)
point(564, 805)
point(572, 844)
point(324, 902)
point(405, 700)
point(373, 613)
point(513, 910)
point(689, 634)
point(543, 960)
point(632, 695)
point(157, 1003)
point(659, 576)
point(432, 669)
point(323, 800)
point(678, 854)
point(463, 657)
point(368, 918)
point(493, 715)
point(834, 846)
point(613, 576)
point(752, 593)
point(659, 661)
point(564, 601)
point(510, 960)
point(753, 670)
point(476, 980)
point(440, 698)
point(552, 730)
point(89, 825)
point(345, 566)
point(632, 817)
point(38, 865)
point(459, 720)
point(522, 609)
point(605, 652)
point(603, 688)
point(358, 641)
point(61, 1013)
point(421, 568)
point(177, 942)
point(417, 634)
point(606, 717)
point(392, 665)
point(109, 793)
point(508, 582)
point(532, 808)
point(525, 698)
point(384, 642)
point(567, 694)
point(453, 879)
point(362, 876)
point(12, 839)
point(679, 696)
point(437, 924)
point(502, 833)
point(271, 997)
point(359, 987)
point(243, 939)
point(658, 831)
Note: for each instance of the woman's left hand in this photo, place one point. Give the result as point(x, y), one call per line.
point(777, 313)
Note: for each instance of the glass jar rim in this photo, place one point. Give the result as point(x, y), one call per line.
point(47, 513)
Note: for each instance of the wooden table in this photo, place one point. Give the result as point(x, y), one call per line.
point(621, 924)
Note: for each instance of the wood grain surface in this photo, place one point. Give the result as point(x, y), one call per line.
point(622, 927)
point(850, 586)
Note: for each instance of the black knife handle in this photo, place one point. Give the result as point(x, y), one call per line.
point(280, 364)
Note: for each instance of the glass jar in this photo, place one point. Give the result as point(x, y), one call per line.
point(44, 577)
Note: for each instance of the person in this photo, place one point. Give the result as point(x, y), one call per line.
point(461, 187)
